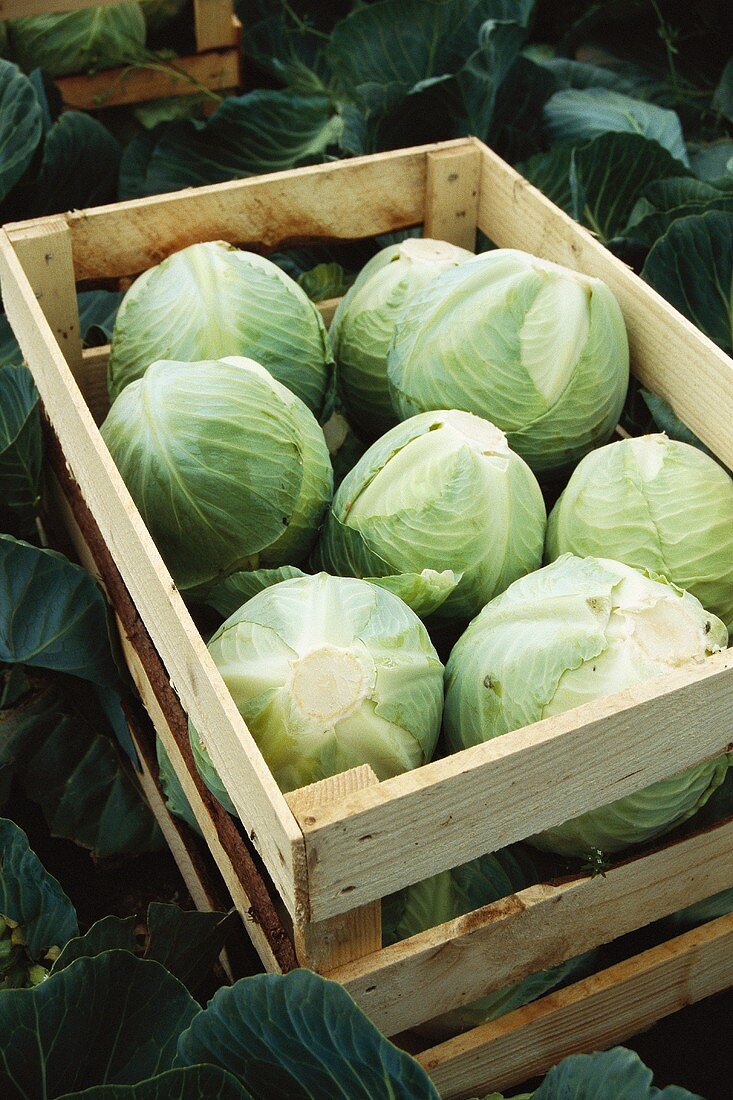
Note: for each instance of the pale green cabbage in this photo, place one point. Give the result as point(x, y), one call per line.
point(574, 631)
point(212, 300)
point(441, 492)
point(228, 468)
point(453, 893)
point(657, 504)
point(538, 349)
point(79, 41)
point(364, 324)
point(328, 673)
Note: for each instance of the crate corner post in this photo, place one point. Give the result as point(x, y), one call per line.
point(329, 943)
point(452, 190)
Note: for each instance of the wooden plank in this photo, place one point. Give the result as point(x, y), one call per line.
point(215, 70)
point(225, 845)
point(213, 24)
point(345, 200)
point(15, 9)
point(46, 256)
point(593, 1014)
point(324, 945)
point(457, 962)
point(669, 355)
point(483, 798)
point(259, 801)
point(451, 196)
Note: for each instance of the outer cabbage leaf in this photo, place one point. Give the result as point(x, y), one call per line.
point(21, 448)
point(212, 300)
point(428, 496)
point(20, 125)
point(303, 1037)
point(187, 1083)
point(80, 41)
point(228, 468)
point(619, 1073)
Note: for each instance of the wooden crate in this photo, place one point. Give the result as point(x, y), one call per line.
point(215, 67)
point(307, 869)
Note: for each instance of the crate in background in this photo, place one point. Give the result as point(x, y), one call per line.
point(308, 869)
point(216, 66)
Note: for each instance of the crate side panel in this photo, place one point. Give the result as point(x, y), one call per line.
point(213, 24)
point(591, 1015)
point(215, 70)
point(346, 200)
point(669, 354)
point(457, 962)
point(192, 671)
point(483, 798)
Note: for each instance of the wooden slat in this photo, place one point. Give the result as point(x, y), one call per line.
point(194, 676)
point(15, 9)
point(593, 1014)
point(483, 798)
point(668, 353)
point(324, 945)
point(213, 24)
point(463, 959)
point(215, 70)
point(227, 856)
point(347, 200)
point(451, 196)
point(45, 254)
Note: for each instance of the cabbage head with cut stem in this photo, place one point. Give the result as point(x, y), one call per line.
point(212, 300)
point(439, 506)
point(654, 503)
point(328, 673)
point(537, 349)
point(228, 468)
point(452, 894)
point(364, 323)
point(577, 630)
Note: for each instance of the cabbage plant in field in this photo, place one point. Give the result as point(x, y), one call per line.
point(576, 630)
point(329, 673)
point(657, 504)
point(364, 323)
point(212, 300)
point(453, 893)
point(228, 468)
point(536, 348)
point(441, 492)
point(75, 41)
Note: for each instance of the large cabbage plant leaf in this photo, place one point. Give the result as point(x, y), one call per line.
point(664, 201)
point(21, 125)
point(617, 1073)
point(33, 900)
point(20, 449)
point(113, 1019)
point(189, 1083)
point(692, 267)
point(80, 164)
point(302, 1037)
point(54, 750)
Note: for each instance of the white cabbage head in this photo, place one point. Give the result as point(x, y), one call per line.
point(538, 349)
point(212, 300)
point(574, 631)
point(440, 497)
point(329, 673)
point(228, 468)
point(364, 323)
point(657, 504)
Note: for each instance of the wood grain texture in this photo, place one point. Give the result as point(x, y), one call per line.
point(455, 963)
point(215, 70)
point(591, 1015)
point(483, 798)
point(345, 200)
point(213, 24)
point(15, 9)
point(194, 676)
point(452, 196)
point(327, 944)
point(669, 354)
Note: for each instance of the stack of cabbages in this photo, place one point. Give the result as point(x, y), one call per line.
point(474, 380)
